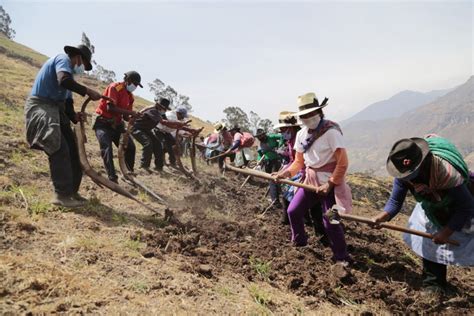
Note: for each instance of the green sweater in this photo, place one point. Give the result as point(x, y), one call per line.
point(268, 147)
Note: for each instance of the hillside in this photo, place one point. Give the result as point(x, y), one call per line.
point(451, 116)
point(20, 65)
point(212, 250)
point(395, 106)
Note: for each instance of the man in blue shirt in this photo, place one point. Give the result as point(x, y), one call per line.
point(48, 110)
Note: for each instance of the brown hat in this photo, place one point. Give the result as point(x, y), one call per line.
point(82, 50)
point(406, 157)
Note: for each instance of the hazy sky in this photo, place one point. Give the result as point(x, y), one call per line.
point(262, 55)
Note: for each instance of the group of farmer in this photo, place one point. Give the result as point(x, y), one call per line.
point(306, 147)
point(309, 148)
point(49, 110)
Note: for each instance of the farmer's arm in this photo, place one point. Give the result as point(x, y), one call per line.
point(342, 163)
point(111, 107)
point(66, 81)
point(463, 207)
point(394, 203)
point(173, 124)
point(297, 164)
point(69, 109)
point(235, 145)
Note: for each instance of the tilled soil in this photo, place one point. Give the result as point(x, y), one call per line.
point(212, 233)
point(258, 248)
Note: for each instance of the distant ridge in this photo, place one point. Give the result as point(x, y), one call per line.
point(396, 106)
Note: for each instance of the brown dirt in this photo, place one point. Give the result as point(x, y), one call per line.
point(212, 251)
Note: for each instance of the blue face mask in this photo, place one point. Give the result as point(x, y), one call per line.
point(131, 87)
point(79, 70)
point(286, 135)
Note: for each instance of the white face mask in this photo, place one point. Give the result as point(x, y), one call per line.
point(79, 70)
point(311, 122)
point(131, 87)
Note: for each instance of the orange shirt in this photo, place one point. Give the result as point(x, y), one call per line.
point(117, 91)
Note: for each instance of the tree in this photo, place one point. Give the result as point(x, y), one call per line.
point(183, 101)
point(99, 72)
point(107, 76)
point(235, 116)
point(5, 22)
point(254, 119)
point(161, 90)
point(266, 125)
point(87, 42)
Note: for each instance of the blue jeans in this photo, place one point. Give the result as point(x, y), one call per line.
point(107, 135)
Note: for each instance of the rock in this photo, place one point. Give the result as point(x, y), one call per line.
point(202, 251)
point(205, 270)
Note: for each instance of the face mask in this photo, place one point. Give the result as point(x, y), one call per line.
point(131, 87)
point(311, 122)
point(78, 70)
point(287, 135)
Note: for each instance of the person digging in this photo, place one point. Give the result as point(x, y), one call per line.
point(320, 147)
point(49, 109)
point(269, 143)
point(109, 124)
point(142, 132)
point(434, 171)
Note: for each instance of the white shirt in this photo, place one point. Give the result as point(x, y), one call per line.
point(322, 150)
point(170, 116)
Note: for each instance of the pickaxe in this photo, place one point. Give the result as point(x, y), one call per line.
point(254, 168)
point(334, 216)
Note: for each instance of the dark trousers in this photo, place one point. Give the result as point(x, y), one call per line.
point(434, 274)
point(64, 164)
point(220, 160)
point(151, 146)
point(168, 141)
point(273, 166)
point(107, 135)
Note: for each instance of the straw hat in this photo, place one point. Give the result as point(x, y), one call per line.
point(219, 127)
point(308, 103)
point(287, 119)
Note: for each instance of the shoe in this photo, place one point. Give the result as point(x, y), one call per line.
point(114, 179)
point(147, 169)
point(324, 240)
point(432, 294)
point(66, 201)
point(76, 196)
point(284, 218)
point(277, 204)
point(159, 169)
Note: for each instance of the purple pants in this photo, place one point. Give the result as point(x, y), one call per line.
point(301, 203)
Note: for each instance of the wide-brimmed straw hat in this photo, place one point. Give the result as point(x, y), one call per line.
point(287, 119)
point(219, 127)
point(308, 103)
point(406, 157)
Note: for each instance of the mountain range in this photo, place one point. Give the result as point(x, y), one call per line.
point(397, 105)
point(450, 115)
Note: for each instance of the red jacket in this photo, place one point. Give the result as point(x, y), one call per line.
point(123, 99)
